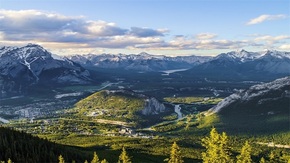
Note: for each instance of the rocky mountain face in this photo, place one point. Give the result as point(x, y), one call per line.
point(263, 108)
point(258, 97)
point(21, 67)
point(244, 65)
point(139, 62)
point(153, 106)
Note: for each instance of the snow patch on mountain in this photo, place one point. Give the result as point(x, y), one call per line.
point(32, 64)
point(140, 62)
point(253, 92)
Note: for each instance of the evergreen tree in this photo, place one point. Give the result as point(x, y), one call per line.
point(60, 159)
point(262, 160)
point(175, 154)
point(124, 158)
point(224, 148)
point(95, 158)
point(272, 157)
point(188, 120)
point(285, 157)
point(104, 161)
point(245, 156)
point(217, 150)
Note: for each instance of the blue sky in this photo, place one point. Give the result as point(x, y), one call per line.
point(169, 27)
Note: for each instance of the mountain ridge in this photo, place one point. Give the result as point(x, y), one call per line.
point(142, 61)
point(21, 67)
point(262, 108)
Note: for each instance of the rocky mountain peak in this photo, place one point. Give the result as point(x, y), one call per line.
point(32, 64)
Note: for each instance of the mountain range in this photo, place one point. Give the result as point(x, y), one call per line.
point(244, 65)
point(236, 63)
point(21, 67)
point(139, 62)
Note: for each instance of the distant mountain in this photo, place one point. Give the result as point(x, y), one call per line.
point(139, 62)
point(244, 65)
point(21, 67)
point(263, 107)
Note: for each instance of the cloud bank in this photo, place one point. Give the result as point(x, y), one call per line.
point(66, 32)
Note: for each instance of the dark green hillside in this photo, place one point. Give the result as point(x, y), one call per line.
point(269, 117)
point(262, 109)
point(22, 147)
point(125, 106)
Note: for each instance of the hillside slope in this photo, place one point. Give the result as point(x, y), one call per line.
point(122, 105)
point(261, 108)
point(22, 147)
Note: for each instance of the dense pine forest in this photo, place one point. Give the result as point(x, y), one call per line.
point(22, 147)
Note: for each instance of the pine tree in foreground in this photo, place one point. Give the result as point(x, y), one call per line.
point(217, 150)
point(245, 156)
point(104, 161)
point(272, 157)
point(60, 159)
point(175, 154)
point(262, 160)
point(124, 158)
point(95, 158)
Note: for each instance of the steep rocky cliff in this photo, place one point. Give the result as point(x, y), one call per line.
point(153, 106)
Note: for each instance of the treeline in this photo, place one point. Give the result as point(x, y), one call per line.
point(22, 147)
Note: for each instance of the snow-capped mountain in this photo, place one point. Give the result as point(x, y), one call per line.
point(244, 65)
point(32, 64)
point(257, 96)
point(140, 62)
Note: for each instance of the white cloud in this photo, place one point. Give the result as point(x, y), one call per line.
point(284, 47)
point(263, 18)
point(38, 26)
point(204, 36)
point(271, 39)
